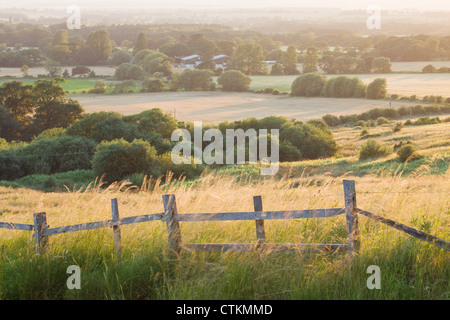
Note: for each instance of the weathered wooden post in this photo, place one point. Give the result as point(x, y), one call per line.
point(40, 224)
point(116, 227)
point(260, 232)
point(351, 217)
point(173, 225)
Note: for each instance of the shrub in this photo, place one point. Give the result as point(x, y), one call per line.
point(189, 171)
point(308, 85)
point(418, 109)
point(234, 80)
point(407, 152)
point(344, 87)
point(101, 126)
point(194, 80)
point(99, 88)
point(377, 89)
point(426, 121)
point(373, 149)
point(331, 120)
point(153, 85)
point(361, 123)
point(398, 126)
point(408, 122)
point(364, 133)
point(119, 158)
point(10, 165)
point(382, 120)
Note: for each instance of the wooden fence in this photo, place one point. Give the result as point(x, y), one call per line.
point(172, 220)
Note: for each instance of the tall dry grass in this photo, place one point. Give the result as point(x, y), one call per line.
point(410, 268)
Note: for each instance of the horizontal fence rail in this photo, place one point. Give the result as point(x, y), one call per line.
point(172, 219)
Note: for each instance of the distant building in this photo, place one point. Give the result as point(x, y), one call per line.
point(190, 61)
point(194, 60)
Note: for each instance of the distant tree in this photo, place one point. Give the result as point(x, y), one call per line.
point(381, 65)
point(377, 89)
point(9, 127)
point(18, 99)
point(120, 57)
point(99, 88)
point(429, 69)
point(277, 69)
point(152, 85)
point(344, 87)
point(308, 85)
point(249, 59)
point(226, 47)
point(135, 72)
point(48, 90)
point(55, 114)
point(141, 43)
point(195, 80)
point(61, 37)
point(25, 70)
point(61, 53)
point(65, 74)
point(289, 60)
point(99, 44)
point(80, 71)
point(53, 68)
point(310, 60)
point(234, 80)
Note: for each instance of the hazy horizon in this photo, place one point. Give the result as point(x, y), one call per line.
point(416, 5)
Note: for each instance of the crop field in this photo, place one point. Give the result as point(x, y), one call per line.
point(401, 84)
point(215, 107)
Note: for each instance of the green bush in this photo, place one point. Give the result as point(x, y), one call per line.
point(152, 85)
point(407, 152)
point(377, 89)
point(52, 155)
point(382, 120)
point(308, 85)
point(119, 158)
point(344, 87)
point(10, 165)
point(427, 121)
point(234, 80)
point(398, 126)
point(190, 171)
point(331, 120)
point(373, 149)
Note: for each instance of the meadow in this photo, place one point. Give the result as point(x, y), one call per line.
point(415, 194)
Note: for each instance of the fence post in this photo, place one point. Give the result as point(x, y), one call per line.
point(173, 225)
point(40, 224)
point(260, 232)
point(351, 216)
point(116, 228)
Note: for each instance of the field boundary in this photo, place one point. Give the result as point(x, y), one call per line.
point(172, 219)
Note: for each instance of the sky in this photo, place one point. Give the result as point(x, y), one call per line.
point(420, 5)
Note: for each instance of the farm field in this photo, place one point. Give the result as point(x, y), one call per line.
point(215, 107)
point(410, 269)
point(401, 84)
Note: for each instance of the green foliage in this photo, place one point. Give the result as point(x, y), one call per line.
point(189, 170)
point(195, 80)
point(373, 149)
point(377, 89)
point(407, 152)
point(119, 158)
point(54, 114)
point(398, 126)
point(234, 80)
point(308, 85)
point(101, 126)
point(310, 60)
point(249, 59)
point(99, 88)
point(382, 120)
point(427, 121)
point(344, 87)
point(52, 155)
point(331, 120)
point(152, 85)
